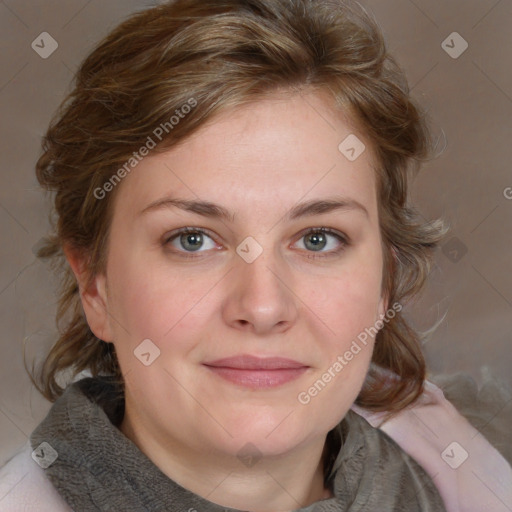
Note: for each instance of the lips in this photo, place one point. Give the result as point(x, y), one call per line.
point(257, 372)
point(246, 362)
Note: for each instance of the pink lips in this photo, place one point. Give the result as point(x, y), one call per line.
point(257, 372)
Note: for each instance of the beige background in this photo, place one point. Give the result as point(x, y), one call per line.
point(470, 105)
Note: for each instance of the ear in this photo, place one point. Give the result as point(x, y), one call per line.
point(384, 300)
point(383, 306)
point(93, 295)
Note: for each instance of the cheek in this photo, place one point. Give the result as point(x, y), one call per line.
point(147, 301)
point(349, 308)
point(351, 320)
point(349, 302)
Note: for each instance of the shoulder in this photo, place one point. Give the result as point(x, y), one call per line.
point(469, 472)
point(25, 488)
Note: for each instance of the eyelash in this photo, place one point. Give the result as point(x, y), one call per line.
point(345, 242)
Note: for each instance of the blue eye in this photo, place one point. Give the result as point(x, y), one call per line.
point(187, 241)
point(190, 239)
point(317, 240)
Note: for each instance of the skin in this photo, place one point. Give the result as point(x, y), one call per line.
point(258, 161)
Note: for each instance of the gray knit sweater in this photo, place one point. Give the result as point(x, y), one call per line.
point(100, 469)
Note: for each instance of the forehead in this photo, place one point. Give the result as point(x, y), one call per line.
point(273, 152)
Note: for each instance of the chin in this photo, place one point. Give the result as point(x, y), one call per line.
point(268, 434)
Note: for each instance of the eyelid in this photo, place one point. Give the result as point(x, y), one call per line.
point(188, 229)
point(328, 231)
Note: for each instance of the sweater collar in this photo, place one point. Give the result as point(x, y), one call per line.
point(99, 468)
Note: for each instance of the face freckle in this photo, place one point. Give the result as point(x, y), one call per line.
point(256, 181)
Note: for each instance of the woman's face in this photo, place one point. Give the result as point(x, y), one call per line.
point(251, 320)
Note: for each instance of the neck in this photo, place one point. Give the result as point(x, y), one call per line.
point(285, 483)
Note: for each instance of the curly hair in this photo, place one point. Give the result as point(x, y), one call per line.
point(224, 54)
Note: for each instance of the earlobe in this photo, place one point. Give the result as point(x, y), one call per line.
point(93, 295)
point(384, 299)
point(382, 307)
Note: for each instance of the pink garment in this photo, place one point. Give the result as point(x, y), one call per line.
point(25, 488)
point(470, 474)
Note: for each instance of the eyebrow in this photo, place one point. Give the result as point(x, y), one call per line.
point(215, 211)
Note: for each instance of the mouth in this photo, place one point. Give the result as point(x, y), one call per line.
point(257, 372)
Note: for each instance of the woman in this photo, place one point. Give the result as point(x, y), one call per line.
point(230, 187)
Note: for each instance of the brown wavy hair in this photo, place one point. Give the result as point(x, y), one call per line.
point(224, 54)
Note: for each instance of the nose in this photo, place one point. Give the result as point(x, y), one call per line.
point(260, 298)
